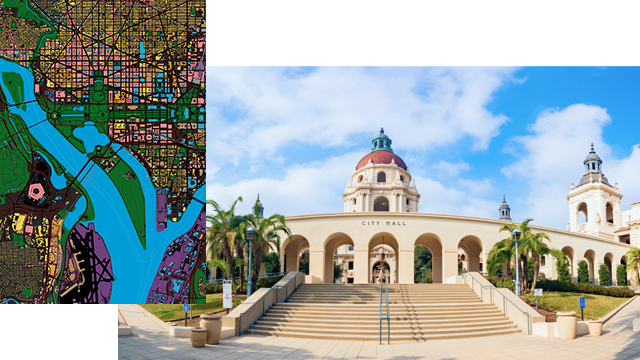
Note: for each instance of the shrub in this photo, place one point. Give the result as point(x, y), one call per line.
point(264, 282)
point(621, 275)
point(583, 272)
point(214, 288)
point(563, 271)
point(603, 275)
point(502, 282)
point(552, 285)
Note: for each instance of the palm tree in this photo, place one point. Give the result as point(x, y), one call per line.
point(224, 224)
point(523, 248)
point(561, 260)
point(633, 256)
point(536, 246)
point(214, 249)
point(500, 254)
point(267, 236)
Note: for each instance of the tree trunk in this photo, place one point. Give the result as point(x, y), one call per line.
point(226, 252)
point(258, 260)
point(240, 255)
point(536, 271)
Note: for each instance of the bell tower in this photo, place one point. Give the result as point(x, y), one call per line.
point(594, 205)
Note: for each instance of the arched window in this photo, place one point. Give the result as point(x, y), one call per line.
point(382, 177)
point(360, 179)
point(593, 166)
point(401, 178)
point(353, 201)
point(381, 204)
point(609, 213)
point(582, 208)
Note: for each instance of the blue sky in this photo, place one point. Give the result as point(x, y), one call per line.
point(469, 135)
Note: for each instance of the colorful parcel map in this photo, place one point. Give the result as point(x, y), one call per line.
point(102, 151)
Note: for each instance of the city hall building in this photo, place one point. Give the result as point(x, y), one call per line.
point(381, 226)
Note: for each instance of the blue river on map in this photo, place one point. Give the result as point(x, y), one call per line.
point(133, 267)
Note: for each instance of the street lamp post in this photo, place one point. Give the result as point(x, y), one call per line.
point(250, 235)
point(423, 274)
point(516, 237)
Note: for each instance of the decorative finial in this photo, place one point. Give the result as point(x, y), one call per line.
point(572, 185)
point(381, 130)
point(258, 196)
point(503, 199)
point(591, 146)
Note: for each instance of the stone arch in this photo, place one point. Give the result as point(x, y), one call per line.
point(360, 179)
point(584, 209)
point(434, 244)
point(381, 203)
point(570, 254)
point(590, 257)
point(608, 260)
point(473, 249)
point(609, 213)
point(623, 260)
point(375, 270)
point(381, 177)
point(291, 248)
point(333, 242)
point(391, 242)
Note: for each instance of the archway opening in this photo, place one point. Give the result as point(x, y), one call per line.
point(590, 257)
point(381, 203)
point(470, 254)
point(569, 253)
point(292, 250)
point(583, 214)
point(427, 254)
point(384, 247)
point(377, 272)
point(609, 209)
point(608, 260)
point(303, 261)
point(338, 250)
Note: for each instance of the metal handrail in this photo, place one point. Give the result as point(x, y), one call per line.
point(386, 286)
point(216, 281)
point(504, 299)
point(261, 299)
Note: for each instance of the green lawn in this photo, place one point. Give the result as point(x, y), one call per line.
point(169, 312)
point(596, 307)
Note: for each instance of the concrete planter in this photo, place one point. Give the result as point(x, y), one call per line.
point(595, 327)
point(213, 324)
point(567, 324)
point(198, 336)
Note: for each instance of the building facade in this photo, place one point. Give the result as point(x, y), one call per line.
point(381, 211)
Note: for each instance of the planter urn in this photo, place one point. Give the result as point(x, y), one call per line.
point(213, 324)
point(198, 336)
point(595, 327)
point(567, 324)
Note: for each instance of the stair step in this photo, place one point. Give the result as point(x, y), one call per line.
point(374, 325)
point(394, 337)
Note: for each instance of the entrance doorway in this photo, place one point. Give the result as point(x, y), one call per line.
point(376, 272)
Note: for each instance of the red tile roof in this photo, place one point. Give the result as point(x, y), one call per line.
point(381, 157)
point(623, 229)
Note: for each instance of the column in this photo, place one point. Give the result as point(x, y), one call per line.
point(406, 266)
point(316, 264)
point(394, 205)
point(360, 266)
point(359, 203)
point(436, 268)
point(450, 265)
point(551, 267)
point(402, 202)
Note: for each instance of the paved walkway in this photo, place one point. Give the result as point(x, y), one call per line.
point(149, 341)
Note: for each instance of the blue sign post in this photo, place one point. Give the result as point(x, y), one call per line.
point(582, 305)
point(185, 308)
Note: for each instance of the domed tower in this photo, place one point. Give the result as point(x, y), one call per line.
point(381, 182)
point(504, 210)
point(594, 205)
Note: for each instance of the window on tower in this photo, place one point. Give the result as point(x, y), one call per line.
point(382, 177)
point(593, 166)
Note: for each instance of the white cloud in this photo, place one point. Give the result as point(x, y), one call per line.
point(440, 199)
point(551, 158)
point(253, 111)
point(452, 169)
point(304, 189)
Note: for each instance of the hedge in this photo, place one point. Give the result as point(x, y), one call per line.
point(264, 282)
point(503, 282)
point(553, 285)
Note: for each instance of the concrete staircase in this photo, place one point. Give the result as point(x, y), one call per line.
point(351, 312)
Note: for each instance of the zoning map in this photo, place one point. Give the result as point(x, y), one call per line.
point(102, 151)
